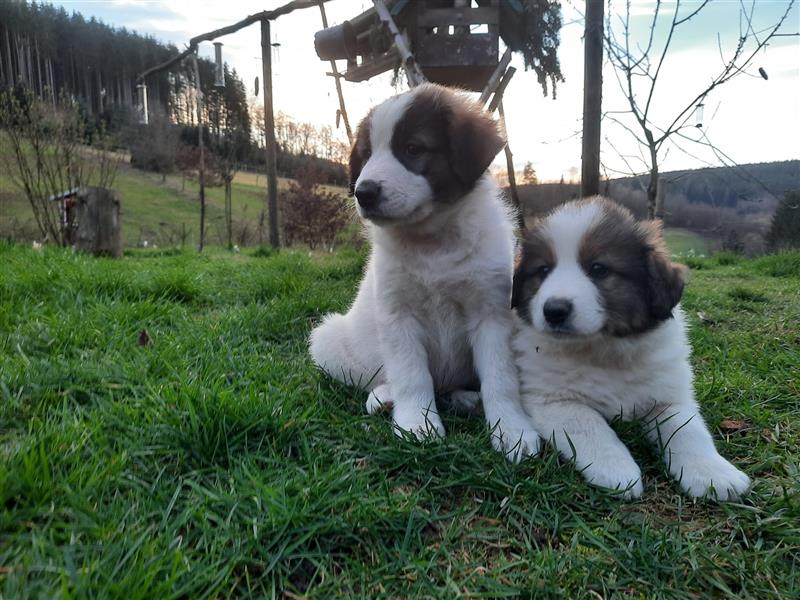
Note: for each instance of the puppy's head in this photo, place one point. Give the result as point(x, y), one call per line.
point(590, 268)
point(418, 152)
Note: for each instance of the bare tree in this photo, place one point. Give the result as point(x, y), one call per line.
point(638, 67)
point(47, 153)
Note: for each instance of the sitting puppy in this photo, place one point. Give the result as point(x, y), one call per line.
point(601, 336)
point(431, 316)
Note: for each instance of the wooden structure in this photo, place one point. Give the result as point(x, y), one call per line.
point(452, 42)
point(97, 220)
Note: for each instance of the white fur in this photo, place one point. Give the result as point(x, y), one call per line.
point(571, 386)
point(431, 315)
point(568, 280)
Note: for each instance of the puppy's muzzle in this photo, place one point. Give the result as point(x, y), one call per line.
point(368, 194)
point(557, 311)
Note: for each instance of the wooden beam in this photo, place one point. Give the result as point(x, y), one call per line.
point(512, 178)
point(413, 72)
point(269, 136)
point(592, 97)
point(494, 80)
point(501, 88)
point(268, 15)
point(336, 79)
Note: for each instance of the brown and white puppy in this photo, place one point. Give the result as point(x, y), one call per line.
point(601, 336)
point(431, 315)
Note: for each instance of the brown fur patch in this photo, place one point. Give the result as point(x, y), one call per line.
point(641, 285)
point(454, 140)
point(537, 252)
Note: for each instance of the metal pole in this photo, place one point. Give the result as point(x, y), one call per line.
point(202, 170)
point(592, 97)
point(269, 136)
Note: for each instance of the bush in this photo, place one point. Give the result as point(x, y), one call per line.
point(784, 264)
point(313, 215)
point(784, 232)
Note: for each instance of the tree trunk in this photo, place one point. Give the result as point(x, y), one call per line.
point(652, 186)
point(98, 218)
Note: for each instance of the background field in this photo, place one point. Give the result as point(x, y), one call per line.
point(215, 461)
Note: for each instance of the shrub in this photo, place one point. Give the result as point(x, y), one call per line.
point(784, 264)
point(313, 215)
point(784, 232)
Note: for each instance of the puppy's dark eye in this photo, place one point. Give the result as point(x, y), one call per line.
point(598, 270)
point(414, 149)
point(543, 271)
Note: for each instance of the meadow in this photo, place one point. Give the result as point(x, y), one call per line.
point(208, 458)
point(162, 211)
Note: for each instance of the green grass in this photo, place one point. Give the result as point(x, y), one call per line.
point(683, 242)
point(217, 462)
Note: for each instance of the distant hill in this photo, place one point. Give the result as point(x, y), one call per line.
point(717, 203)
point(750, 188)
point(727, 186)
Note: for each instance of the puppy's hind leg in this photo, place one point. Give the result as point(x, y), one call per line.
point(582, 434)
point(335, 352)
point(690, 455)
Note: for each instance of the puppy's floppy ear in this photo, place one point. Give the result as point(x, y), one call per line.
point(474, 142)
point(665, 279)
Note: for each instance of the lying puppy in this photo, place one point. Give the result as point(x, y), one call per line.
point(431, 316)
point(601, 336)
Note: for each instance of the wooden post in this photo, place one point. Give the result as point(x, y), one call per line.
point(269, 135)
point(661, 192)
point(592, 97)
point(97, 216)
point(202, 170)
point(335, 72)
point(512, 179)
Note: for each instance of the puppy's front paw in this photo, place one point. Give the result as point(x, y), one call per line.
point(713, 477)
point(618, 473)
point(423, 423)
point(379, 400)
point(516, 442)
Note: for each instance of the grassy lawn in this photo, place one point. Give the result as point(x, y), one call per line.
point(215, 461)
point(683, 242)
point(153, 210)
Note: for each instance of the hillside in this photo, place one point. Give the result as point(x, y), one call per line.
point(162, 213)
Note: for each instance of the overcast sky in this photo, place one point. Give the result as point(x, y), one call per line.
point(750, 119)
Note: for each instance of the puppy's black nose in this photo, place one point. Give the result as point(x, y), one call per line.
point(557, 310)
point(368, 193)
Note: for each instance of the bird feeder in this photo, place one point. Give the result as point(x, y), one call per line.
point(219, 72)
point(453, 42)
point(698, 115)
